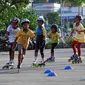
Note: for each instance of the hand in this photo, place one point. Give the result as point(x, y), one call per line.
point(6, 37)
point(65, 44)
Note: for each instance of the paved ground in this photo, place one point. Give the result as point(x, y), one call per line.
point(35, 76)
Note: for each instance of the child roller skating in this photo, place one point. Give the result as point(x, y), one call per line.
point(12, 29)
point(78, 39)
point(40, 40)
point(54, 36)
point(22, 39)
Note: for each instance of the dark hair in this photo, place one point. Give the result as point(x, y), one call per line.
point(54, 26)
point(41, 21)
point(79, 17)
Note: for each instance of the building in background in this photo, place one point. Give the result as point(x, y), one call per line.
point(68, 12)
point(44, 8)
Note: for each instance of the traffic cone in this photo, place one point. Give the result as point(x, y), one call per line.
point(68, 68)
point(51, 74)
point(47, 71)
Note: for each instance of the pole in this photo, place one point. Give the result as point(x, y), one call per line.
point(61, 3)
point(61, 11)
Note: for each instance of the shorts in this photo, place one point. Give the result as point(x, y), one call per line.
point(20, 47)
point(39, 45)
point(11, 44)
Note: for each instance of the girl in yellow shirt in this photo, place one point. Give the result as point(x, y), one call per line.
point(54, 36)
point(22, 39)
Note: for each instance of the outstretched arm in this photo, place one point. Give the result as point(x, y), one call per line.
point(81, 31)
point(62, 40)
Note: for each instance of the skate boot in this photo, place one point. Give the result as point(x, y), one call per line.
point(72, 57)
point(11, 65)
point(79, 60)
point(34, 64)
point(51, 59)
point(41, 64)
point(18, 66)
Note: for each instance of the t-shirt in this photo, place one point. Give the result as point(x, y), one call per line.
point(23, 38)
point(41, 31)
point(12, 33)
point(80, 37)
point(54, 37)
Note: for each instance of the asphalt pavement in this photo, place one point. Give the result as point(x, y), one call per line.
point(35, 76)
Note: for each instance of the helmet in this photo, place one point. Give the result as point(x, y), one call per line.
point(41, 18)
point(25, 21)
point(79, 17)
point(15, 20)
point(54, 26)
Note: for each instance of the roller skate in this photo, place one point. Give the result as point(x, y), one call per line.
point(72, 57)
point(41, 64)
point(8, 65)
point(34, 64)
point(51, 59)
point(77, 60)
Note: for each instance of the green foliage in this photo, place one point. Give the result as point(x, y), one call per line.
point(53, 18)
point(17, 8)
point(76, 2)
point(65, 29)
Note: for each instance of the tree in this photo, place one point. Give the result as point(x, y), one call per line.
point(53, 18)
point(9, 3)
point(15, 8)
point(76, 3)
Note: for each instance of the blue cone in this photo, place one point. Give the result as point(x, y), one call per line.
point(47, 71)
point(51, 74)
point(68, 68)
